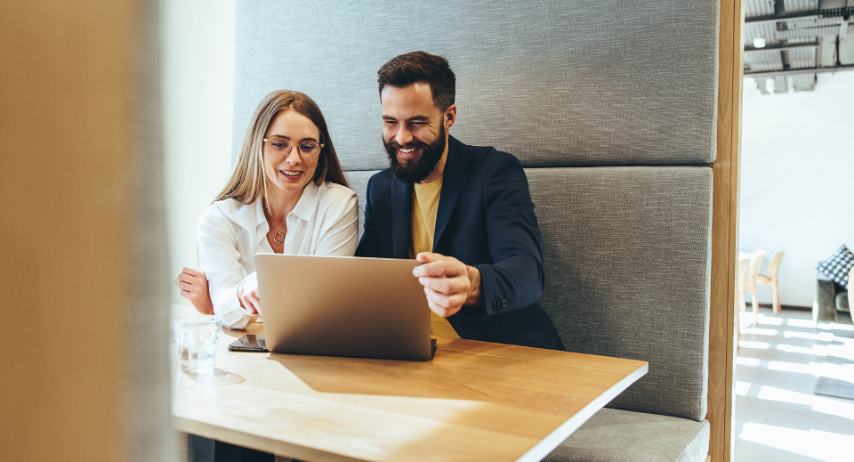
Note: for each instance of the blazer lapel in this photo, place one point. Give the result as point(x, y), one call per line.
point(401, 208)
point(454, 178)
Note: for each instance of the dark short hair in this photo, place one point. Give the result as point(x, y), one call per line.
point(420, 66)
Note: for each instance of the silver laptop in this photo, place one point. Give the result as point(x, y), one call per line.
point(343, 306)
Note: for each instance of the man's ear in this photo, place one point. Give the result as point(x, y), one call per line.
point(450, 116)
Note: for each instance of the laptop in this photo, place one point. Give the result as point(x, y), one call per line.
point(343, 306)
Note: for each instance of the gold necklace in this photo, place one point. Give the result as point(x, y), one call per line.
point(279, 238)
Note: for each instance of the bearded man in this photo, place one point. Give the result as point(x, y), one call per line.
point(464, 212)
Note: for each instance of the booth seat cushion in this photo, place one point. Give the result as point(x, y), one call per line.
point(627, 271)
point(557, 85)
point(614, 435)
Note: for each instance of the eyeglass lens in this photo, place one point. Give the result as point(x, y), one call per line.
point(285, 146)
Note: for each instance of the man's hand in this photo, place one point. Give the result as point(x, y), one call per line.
point(448, 283)
point(194, 287)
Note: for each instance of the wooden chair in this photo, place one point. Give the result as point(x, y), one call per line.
point(749, 284)
point(771, 279)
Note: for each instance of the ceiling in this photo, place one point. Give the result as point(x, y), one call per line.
point(788, 42)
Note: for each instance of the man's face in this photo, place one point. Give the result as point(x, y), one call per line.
point(414, 130)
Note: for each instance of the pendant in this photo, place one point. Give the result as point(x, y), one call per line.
point(279, 238)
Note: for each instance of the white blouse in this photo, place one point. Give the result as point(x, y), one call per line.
point(325, 221)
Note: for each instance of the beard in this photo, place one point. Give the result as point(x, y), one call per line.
point(418, 169)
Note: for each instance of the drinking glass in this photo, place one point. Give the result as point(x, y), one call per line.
point(196, 339)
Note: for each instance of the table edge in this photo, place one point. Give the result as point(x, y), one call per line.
point(294, 450)
point(272, 445)
point(561, 433)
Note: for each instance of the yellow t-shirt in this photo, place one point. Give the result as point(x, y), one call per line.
point(425, 207)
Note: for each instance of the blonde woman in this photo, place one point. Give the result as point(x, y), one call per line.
point(287, 195)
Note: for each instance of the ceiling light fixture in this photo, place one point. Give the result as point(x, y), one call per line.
point(759, 42)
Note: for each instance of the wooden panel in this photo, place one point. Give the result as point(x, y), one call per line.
point(65, 175)
point(474, 400)
point(724, 237)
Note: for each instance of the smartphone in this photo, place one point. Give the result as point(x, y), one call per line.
point(248, 343)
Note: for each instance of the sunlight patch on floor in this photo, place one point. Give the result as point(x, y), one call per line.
point(810, 443)
point(816, 336)
point(754, 344)
point(797, 368)
point(748, 362)
point(798, 349)
point(742, 388)
point(778, 417)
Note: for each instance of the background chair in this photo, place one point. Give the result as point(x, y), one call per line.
point(772, 280)
point(750, 285)
point(743, 267)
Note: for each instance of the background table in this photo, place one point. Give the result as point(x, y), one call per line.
point(473, 401)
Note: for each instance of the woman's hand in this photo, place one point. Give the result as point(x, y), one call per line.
point(194, 287)
point(247, 292)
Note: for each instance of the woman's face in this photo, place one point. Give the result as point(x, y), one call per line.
point(291, 151)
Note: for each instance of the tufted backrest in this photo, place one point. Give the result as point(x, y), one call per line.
point(609, 106)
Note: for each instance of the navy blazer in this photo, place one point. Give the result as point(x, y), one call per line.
point(486, 220)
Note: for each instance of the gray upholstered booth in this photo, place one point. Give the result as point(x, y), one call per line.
point(611, 109)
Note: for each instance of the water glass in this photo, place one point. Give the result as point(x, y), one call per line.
point(196, 338)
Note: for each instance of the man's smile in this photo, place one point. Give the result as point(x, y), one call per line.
point(408, 153)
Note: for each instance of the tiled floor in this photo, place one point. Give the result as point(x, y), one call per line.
point(777, 415)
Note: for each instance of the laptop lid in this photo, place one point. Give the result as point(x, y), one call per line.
point(343, 306)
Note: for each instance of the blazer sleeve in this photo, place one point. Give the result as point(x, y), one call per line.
point(515, 278)
point(368, 245)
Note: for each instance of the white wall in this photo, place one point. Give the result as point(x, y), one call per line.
point(797, 179)
point(198, 87)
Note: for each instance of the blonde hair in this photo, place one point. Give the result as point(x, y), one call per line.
point(248, 181)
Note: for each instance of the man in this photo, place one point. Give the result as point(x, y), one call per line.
point(464, 212)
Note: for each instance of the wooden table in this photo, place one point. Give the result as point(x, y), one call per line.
point(473, 401)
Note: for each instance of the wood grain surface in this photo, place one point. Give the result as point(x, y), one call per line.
point(473, 401)
point(724, 232)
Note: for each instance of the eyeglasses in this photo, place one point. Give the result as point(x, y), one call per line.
point(307, 149)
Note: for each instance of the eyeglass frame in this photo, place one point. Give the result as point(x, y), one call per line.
point(299, 150)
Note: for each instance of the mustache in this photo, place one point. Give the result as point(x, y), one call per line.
point(411, 145)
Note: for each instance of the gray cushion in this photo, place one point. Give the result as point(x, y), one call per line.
point(627, 273)
point(558, 83)
point(359, 182)
point(613, 435)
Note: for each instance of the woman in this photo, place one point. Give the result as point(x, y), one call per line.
point(287, 195)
